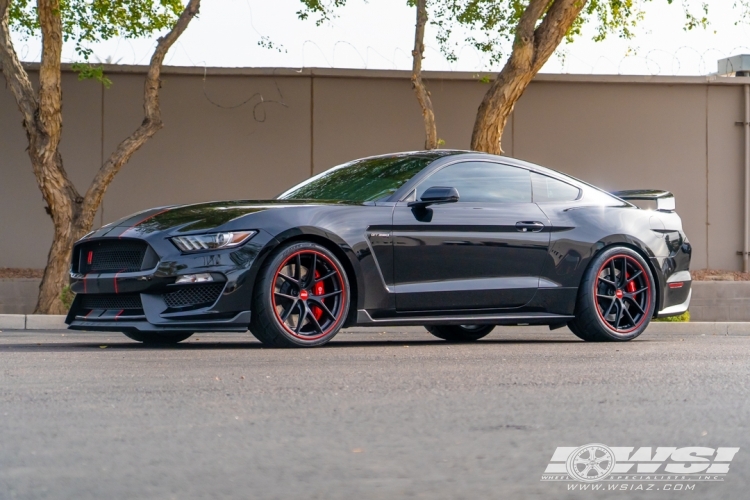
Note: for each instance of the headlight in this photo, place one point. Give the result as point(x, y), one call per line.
point(215, 241)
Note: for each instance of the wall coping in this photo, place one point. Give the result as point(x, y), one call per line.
point(406, 75)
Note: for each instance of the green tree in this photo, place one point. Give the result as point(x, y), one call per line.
point(533, 29)
point(324, 10)
point(81, 22)
point(423, 95)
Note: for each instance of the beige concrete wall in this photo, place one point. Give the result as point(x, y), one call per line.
point(616, 132)
point(622, 137)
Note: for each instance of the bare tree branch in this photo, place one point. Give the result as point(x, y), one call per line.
point(532, 47)
point(72, 215)
point(15, 75)
point(552, 29)
point(151, 122)
point(50, 90)
point(423, 96)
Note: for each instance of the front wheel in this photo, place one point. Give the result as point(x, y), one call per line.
point(460, 333)
point(616, 299)
point(301, 298)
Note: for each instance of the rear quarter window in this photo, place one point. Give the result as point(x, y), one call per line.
point(548, 189)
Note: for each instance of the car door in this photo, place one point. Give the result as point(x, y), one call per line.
point(483, 252)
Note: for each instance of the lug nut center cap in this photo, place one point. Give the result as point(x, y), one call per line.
point(618, 294)
point(303, 294)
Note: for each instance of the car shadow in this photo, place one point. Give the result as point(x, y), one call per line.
point(255, 345)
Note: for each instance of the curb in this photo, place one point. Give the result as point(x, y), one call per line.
point(12, 321)
point(55, 322)
point(45, 322)
point(32, 322)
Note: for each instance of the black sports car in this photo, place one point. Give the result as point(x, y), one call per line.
point(456, 241)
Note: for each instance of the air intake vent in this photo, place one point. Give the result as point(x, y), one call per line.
point(113, 256)
point(112, 301)
point(194, 295)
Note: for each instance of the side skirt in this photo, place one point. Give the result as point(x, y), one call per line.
point(364, 319)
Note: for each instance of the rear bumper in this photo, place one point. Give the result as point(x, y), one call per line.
point(677, 294)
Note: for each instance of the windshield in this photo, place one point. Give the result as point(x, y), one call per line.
point(369, 179)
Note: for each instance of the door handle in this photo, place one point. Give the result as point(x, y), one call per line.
point(533, 227)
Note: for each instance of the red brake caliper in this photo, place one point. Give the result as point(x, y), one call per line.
point(318, 289)
point(630, 287)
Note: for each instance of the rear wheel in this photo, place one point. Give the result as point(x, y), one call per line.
point(616, 299)
point(460, 333)
point(158, 337)
point(301, 298)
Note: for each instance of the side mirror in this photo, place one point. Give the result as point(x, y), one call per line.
point(435, 195)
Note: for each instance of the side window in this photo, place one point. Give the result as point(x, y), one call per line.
point(482, 182)
point(549, 189)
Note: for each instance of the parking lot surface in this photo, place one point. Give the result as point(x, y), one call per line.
point(385, 414)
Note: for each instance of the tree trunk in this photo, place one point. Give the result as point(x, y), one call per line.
point(72, 215)
point(532, 47)
point(423, 96)
point(151, 121)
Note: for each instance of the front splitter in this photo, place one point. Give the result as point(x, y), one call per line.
point(239, 323)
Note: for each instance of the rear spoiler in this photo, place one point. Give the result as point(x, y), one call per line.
point(664, 200)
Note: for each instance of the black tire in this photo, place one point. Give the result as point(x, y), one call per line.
point(297, 308)
point(158, 337)
point(460, 333)
point(616, 299)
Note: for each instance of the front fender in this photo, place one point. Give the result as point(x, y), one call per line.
point(343, 251)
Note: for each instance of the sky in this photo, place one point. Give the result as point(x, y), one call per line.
point(378, 34)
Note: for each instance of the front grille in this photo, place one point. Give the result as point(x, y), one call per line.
point(194, 295)
point(112, 256)
point(112, 301)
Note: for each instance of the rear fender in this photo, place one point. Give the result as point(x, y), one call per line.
point(655, 264)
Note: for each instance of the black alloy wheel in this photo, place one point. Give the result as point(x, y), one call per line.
point(616, 298)
point(460, 333)
point(155, 338)
point(301, 298)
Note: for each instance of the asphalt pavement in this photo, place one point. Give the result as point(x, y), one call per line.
point(375, 414)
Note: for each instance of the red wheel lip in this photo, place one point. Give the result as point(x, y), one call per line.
point(343, 296)
point(648, 294)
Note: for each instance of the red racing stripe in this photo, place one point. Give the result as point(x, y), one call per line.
point(115, 280)
point(142, 221)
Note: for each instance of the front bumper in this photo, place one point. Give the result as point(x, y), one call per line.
point(150, 300)
point(238, 323)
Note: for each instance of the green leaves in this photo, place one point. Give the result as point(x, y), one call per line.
point(324, 9)
point(91, 72)
point(489, 25)
point(89, 21)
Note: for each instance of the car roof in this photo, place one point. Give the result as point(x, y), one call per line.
point(442, 156)
point(454, 154)
point(437, 154)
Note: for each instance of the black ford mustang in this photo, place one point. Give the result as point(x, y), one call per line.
point(456, 241)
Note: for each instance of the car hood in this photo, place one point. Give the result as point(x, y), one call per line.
point(204, 216)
